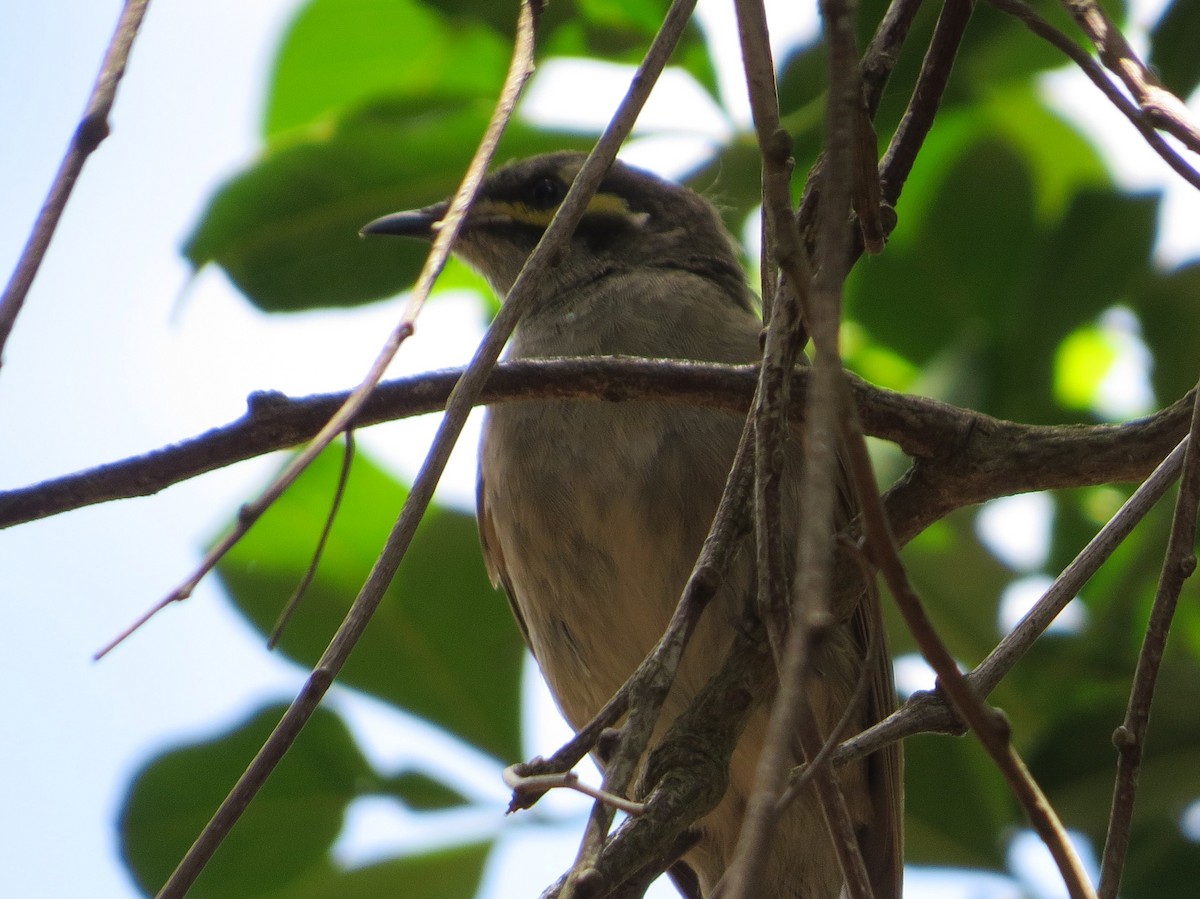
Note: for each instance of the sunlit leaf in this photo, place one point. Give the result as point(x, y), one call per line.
point(1080, 365)
point(340, 55)
point(285, 230)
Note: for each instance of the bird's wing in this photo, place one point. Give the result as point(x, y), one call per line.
point(883, 842)
point(493, 557)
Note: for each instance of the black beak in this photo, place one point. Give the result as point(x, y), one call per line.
point(420, 223)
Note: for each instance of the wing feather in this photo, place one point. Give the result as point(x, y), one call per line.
point(493, 556)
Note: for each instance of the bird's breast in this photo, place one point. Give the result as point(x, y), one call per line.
point(600, 510)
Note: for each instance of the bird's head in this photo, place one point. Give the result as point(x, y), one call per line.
point(635, 220)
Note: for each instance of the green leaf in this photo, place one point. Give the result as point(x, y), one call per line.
point(964, 833)
point(1168, 306)
point(1087, 263)
point(286, 229)
point(1074, 759)
point(959, 265)
point(1082, 362)
point(344, 54)
point(639, 16)
point(448, 874)
point(442, 645)
point(421, 792)
point(1173, 47)
point(1061, 160)
point(288, 828)
point(957, 579)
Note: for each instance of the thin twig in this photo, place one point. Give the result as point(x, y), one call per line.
point(883, 51)
point(927, 712)
point(1130, 737)
point(802, 774)
point(989, 725)
point(447, 233)
point(789, 714)
point(988, 674)
point(293, 602)
point(1159, 106)
point(539, 784)
point(1032, 20)
point(918, 117)
point(91, 131)
point(372, 592)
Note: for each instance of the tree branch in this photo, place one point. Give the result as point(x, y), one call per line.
point(1130, 738)
point(962, 457)
point(1032, 20)
point(1158, 105)
point(927, 712)
point(91, 131)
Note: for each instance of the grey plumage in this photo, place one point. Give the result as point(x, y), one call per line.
point(591, 514)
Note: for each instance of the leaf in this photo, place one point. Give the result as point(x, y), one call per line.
point(1168, 306)
point(1074, 759)
point(339, 55)
point(1083, 360)
point(1085, 264)
point(285, 230)
point(421, 792)
point(1173, 53)
point(288, 828)
point(954, 833)
point(959, 265)
point(442, 644)
point(447, 874)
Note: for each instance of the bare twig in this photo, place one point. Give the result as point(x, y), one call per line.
point(1043, 29)
point(802, 774)
point(331, 661)
point(447, 233)
point(1159, 106)
point(1067, 585)
point(918, 118)
point(1130, 737)
point(818, 485)
point(293, 602)
point(91, 131)
point(989, 725)
point(686, 773)
point(879, 59)
point(927, 712)
point(537, 785)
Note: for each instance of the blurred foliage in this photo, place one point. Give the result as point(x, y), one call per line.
point(1013, 242)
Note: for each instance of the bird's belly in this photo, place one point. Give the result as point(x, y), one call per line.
point(599, 526)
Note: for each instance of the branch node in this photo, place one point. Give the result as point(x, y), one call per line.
point(1123, 738)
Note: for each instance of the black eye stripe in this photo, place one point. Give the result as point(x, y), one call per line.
point(546, 192)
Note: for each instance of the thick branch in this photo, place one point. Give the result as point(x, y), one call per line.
point(963, 457)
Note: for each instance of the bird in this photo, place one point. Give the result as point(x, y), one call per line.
point(591, 514)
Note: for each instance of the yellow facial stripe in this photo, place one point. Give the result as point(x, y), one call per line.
point(600, 204)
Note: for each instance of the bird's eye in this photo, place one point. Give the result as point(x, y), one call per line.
point(547, 192)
